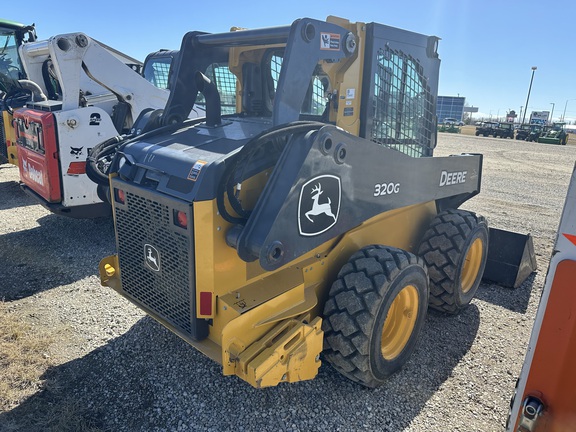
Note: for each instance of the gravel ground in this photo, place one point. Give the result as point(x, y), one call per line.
point(124, 372)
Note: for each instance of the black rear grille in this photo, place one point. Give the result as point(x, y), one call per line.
point(168, 292)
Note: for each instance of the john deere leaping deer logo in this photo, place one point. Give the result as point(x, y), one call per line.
point(318, 208)
point(319, 205)
point(152, 257)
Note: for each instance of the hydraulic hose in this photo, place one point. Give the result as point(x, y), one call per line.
point(37, 93)
point(100, 151)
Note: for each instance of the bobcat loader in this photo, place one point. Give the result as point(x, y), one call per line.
point(304, 218)
point(87, 93)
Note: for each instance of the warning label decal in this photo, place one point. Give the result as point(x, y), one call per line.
point(330, 41)
point(195, 171)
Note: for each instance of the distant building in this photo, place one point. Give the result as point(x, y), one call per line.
point(451, 107)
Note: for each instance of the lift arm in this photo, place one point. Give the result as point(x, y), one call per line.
point(82, 64)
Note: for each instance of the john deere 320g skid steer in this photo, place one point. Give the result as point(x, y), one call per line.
point(304, 217)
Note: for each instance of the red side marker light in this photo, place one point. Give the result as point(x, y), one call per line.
point(205, 303)
point(120, 196)
point(181, 219)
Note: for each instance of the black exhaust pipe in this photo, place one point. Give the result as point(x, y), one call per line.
point(212, 97)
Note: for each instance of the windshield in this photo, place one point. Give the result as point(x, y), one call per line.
point(10, 67)
point(9, 60)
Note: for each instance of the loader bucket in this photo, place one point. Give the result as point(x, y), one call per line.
point(511, 258)
point(542, 140)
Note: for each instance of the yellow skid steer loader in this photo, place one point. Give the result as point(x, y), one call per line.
point(304, 217)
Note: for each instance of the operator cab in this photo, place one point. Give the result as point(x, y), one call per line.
point(250, 88)
point(12, 94)
point(390, 103)
point(158, 67)
point(12, 35)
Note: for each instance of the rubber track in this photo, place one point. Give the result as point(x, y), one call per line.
point(351, 309)
point(441, 247)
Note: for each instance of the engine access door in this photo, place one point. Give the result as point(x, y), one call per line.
point(38, 153)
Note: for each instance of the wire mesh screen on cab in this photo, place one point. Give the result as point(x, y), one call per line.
point(403, 110)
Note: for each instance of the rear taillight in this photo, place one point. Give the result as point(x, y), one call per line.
point(120, 196)
point(181, 219)
point(76, 168)
point(205, 303)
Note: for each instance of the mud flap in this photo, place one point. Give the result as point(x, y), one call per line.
point(511, 258)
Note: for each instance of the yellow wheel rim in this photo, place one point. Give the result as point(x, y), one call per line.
point(471, 265)
point(399, 323)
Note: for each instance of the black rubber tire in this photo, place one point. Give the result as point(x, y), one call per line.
point(445, 248)
point(357, 310)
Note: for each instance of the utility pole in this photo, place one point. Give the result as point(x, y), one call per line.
point(529, 89)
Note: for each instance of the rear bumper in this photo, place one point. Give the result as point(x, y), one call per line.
point(287, 350)
point(89, 211)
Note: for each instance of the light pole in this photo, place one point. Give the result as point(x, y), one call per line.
point(520, 116)
point(552, 114)
point(565, 105)
point(529, 89)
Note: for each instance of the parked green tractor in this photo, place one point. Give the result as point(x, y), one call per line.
point(12, 93)
point(555, 135)
point(448, 127)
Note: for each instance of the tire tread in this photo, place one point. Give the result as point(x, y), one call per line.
point(353, 304)
point(441, 247)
